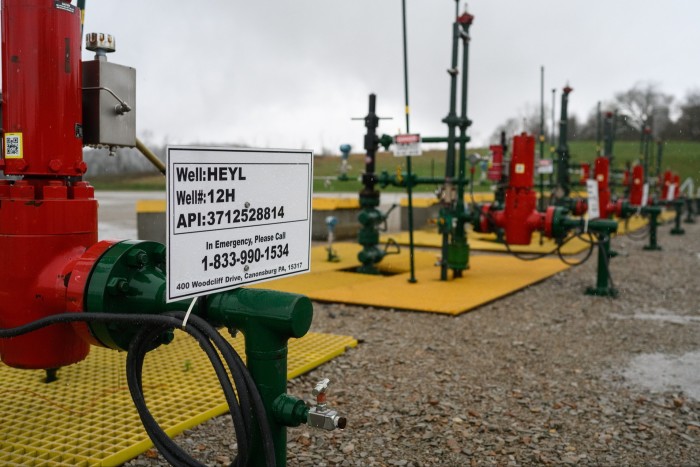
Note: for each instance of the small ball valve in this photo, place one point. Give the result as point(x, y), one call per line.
point(321, 416)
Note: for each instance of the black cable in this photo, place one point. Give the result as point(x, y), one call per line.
point(243, 410)
point(536, 256)
point(639, 234)
point(589, 253)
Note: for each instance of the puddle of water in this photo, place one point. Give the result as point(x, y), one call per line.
point(658, 372)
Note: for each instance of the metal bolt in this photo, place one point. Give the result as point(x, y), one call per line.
point(247, 204)
point(118, 286)
point(55, 165)
point(246, 268)
point(137, 258)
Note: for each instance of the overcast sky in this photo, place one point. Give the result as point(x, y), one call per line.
point(291, 74)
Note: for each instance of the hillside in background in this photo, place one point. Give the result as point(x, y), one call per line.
point(130, 171)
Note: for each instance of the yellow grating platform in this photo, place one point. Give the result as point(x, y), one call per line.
point(487, 242)
point(87, 418)
point(667, 215)
point(489, 278)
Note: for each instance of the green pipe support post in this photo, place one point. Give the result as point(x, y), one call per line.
point(678, 206)
point(561, 224)
point(130, 278)
point(267, 320)
point(690, 214)
point(603, 286)
point(653, 212)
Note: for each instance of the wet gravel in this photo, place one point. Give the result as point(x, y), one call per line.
point(545, 376)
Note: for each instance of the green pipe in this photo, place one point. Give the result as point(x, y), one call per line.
point(563, 180)
point(403, 180)
point(445, 217)
point(409, 186)
point(81, 7)
point(598, 130)
point(659, 156)
point(458, 255)
point(443, 139)
point(645, 152)
point(608, 140)
point(540, 202)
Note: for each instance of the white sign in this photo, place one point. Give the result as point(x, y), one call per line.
point(645, 194)
point(593, 200)
point(688, 186)
point(671, 193)
point(235, 217)
point(407, 145)
point(545, 166)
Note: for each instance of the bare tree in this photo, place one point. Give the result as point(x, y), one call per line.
point(644, 105)
point(527, 120)
point(688, 124)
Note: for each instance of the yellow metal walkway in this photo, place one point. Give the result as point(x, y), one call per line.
point(430, 238)
point(489, 278)
point(87, 418)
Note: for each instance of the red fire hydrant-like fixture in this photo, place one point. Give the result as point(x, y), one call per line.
point(495, 170)
point(585, 172)
point(519, 217)
point(601, 173)
point(48, 218)
point(637, 185)
point(669, 179)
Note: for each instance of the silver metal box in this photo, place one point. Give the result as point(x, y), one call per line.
point(109, 90)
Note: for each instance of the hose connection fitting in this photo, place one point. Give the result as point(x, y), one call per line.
point(321, 416)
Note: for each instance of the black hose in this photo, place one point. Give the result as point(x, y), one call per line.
point(536, 256)
point(639, 234)
point(244, 410)
point(589, 253)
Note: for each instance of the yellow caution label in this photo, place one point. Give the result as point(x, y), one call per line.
point(13, 146)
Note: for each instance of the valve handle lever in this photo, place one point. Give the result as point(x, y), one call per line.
point(321, 416)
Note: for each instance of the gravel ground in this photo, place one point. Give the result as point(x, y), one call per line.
point(546, 376)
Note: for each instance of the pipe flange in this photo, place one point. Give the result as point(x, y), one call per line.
point(78, 283)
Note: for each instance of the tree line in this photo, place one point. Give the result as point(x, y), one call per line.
point(642, 106)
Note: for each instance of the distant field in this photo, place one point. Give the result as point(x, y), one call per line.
point(680, 156)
